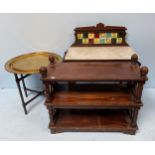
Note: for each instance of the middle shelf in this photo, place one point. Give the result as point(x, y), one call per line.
point(92, 96)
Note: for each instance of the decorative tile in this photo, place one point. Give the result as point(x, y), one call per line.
point(96, 35)
point(102, 40)
point(91, 41)
point(96, 41)
point(85, 41)
point(108, 41)
point(79, 35)
point(91, 35)
point(114, 35)
point(119, 40)
point(85, 35)
point(108, 35)
point(102, 35)
point(113, 40)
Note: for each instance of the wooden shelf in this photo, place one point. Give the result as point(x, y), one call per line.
point(83, 105)
point(92, 120)
point(92, 96)
point(94, 71)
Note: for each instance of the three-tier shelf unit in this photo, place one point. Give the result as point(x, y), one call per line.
point(93, 96)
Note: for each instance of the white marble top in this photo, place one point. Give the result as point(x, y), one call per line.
point(100, 53)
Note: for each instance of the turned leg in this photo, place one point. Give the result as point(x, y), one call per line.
point(134, 118)
point(138, 89)
point(52, 113)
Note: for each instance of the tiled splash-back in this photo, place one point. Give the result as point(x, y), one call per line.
point(99, 38)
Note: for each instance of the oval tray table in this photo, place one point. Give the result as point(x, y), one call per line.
point(25, 65)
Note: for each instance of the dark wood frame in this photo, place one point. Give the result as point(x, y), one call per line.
point(136, 87)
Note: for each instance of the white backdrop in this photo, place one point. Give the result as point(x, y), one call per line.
point(23, 33)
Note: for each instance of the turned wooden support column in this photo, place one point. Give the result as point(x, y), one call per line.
point(51, 112)
point(43, 72)
point(134, 117)
point(134, 58)
point(140, 84)
point(139, 90)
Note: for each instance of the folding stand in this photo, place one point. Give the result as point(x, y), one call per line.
point(21, 79)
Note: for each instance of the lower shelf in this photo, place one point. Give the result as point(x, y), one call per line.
point(92, 120)
point(92, 96)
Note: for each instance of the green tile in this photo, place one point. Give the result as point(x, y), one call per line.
point(102, 41)
point(85, 35)
point(108, 35)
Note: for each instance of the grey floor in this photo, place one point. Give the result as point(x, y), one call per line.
point(14, 125)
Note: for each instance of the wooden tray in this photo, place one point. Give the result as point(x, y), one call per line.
point(30, 63)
